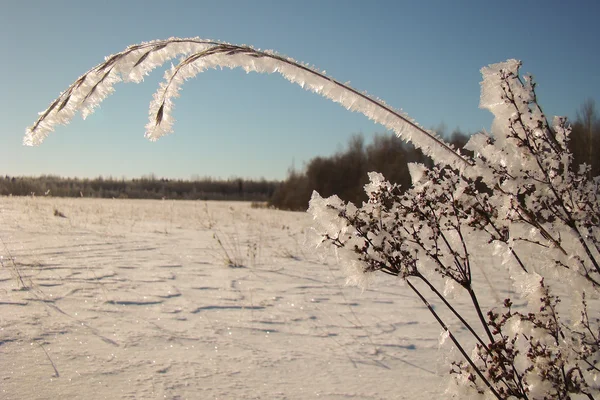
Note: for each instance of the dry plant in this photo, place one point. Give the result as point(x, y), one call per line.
point(210, 222)
point(235, 254)
point(15, 270)
point(58, 213)
point(233, 250)
point(171, 212)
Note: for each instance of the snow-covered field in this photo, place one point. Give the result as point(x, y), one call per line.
point(133, 299)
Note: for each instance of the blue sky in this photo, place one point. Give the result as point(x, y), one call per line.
point(421, 56)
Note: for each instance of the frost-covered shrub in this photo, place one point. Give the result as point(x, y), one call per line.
point(517, 198)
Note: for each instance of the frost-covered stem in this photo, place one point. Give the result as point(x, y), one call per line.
point(435, 226)
point(462, 267)
point(571, 223)
point(365, 236)
point(199, 55)
point(589, 396)
point(462, 239)
point(464, 270)
point(258, 53)
point(466, 283)
point(514, 253)
point(453, 310)
point(479, 313)
point(454, 340)
point(445, 301)
point(486, 216)
point(516, 377)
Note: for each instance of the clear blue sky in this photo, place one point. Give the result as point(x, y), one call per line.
point(421, 56)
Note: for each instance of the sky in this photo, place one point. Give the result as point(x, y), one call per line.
point(423, 57)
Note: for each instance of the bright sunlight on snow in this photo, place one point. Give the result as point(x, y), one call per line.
point(134, 299)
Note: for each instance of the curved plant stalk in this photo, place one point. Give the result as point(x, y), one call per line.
point(198, 55)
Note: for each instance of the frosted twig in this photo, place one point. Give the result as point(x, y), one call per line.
point(199, 55)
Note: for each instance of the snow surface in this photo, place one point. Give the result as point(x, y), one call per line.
point(132, 299)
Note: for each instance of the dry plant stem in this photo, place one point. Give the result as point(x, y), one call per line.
point(453, 310)
point(454, 340)
point(14, 265)
point(466, 284)
point(17, 272)
point(468, 287)
point(232, 49)
point(461, 237)
point(516, 379)
point(466, 270)
point(228, 259)
point(228, 50)
point(56, 374)
point(480, 313)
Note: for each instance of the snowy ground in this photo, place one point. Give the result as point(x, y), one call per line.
point(132, 299)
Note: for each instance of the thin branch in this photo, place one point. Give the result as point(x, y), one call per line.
point(217, 48)
point(454, 340)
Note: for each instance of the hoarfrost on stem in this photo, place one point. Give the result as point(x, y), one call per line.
point(198, 55)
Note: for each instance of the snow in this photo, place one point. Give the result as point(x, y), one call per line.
point(132, 299)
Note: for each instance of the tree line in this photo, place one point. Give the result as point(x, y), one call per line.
point(145, 188)
point(345, 173)
point(585, 137)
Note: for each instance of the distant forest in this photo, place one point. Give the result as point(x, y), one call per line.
point(144, 188)
point(344, 173)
